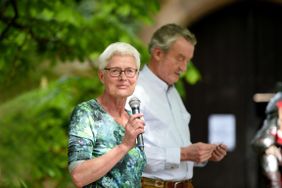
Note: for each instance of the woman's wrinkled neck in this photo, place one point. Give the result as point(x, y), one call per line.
point(113, 105)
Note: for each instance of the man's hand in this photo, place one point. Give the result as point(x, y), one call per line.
point(219, 152)
point(198, 152)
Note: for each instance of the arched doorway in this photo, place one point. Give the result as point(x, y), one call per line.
point(238, 54)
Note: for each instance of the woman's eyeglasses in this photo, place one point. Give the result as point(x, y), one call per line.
point(116, 71)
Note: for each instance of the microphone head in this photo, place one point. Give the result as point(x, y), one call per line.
point(134, 102)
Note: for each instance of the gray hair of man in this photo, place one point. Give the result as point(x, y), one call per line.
point(117, 48)
point(166, 35)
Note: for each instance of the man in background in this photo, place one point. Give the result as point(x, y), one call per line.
point(168, 148)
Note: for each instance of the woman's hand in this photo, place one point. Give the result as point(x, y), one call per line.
point(133, 128)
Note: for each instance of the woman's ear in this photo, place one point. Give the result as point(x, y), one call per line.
point(101, 75)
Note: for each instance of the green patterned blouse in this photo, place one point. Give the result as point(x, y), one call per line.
point(92, 133)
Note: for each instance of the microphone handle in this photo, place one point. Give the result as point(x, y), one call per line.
point(140, 141)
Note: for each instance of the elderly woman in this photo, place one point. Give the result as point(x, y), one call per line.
point(102, 133)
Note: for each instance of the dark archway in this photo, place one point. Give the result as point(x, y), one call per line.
point(238, 53)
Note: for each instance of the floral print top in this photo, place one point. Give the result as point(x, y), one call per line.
point(92, 133)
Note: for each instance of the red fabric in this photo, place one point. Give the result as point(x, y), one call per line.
point(279, 137)
point(279, 104)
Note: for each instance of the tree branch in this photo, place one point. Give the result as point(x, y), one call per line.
point(12, 20)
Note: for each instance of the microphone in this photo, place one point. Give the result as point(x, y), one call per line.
point(134, 104)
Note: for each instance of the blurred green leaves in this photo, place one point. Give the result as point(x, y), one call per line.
point(37, 31)
point(192, 74)
point(33, 132)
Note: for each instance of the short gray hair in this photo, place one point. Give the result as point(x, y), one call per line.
point(117, 48)
point(166, 35)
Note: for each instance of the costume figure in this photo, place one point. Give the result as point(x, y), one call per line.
point(268, 141)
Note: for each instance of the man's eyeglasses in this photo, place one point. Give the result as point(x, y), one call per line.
point(116, 71)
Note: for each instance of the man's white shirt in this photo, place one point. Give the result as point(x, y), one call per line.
point(166, 128)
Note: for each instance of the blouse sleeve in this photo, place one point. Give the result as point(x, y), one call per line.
point(81, 139)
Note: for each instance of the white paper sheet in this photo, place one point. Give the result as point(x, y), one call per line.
point(222, 129)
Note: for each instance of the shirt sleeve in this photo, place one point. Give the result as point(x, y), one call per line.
point(162, 158)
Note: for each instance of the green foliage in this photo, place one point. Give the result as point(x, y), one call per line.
point(192, 74)
point(33, 133)
point(32, 32)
